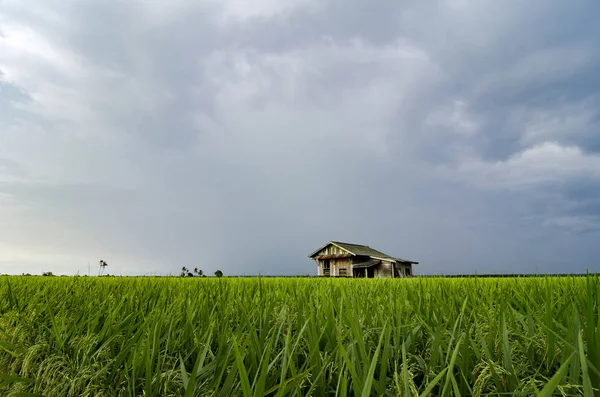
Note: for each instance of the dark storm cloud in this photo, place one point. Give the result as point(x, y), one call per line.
point(463, 135)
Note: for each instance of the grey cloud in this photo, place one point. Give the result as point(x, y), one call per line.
point(11, 168)
point(244, 144)
point(11, 93)
point(11, 96)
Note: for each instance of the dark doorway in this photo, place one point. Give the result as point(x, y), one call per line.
point(371, 272)
point(363, 272)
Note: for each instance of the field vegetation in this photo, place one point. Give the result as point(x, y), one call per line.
point(111, 336)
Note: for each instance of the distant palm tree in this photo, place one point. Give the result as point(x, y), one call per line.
point(102, 264)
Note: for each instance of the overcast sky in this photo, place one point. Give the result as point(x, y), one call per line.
point(242, 135)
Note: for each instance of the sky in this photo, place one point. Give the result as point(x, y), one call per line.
point(242, 135)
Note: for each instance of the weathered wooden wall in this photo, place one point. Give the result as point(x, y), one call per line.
point(335, 265)
point(331, 250)
point(343, 264)
point(384, 270)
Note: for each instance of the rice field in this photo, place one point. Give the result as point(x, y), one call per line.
point(108, 336)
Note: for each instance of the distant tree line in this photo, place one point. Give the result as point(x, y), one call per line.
point(185, 272)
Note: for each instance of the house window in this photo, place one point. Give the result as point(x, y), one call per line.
point(326, 268)
point(342, 272)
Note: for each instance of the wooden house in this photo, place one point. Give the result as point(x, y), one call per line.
point(336, 259)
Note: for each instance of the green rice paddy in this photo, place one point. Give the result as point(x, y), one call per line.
point(108, 336)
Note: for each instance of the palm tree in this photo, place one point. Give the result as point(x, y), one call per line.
point(102, 264)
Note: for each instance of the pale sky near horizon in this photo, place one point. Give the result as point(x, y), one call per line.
point(242, 135)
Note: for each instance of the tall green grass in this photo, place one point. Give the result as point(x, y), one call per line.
point(295, 337)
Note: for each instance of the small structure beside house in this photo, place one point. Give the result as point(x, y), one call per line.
point(336, 259)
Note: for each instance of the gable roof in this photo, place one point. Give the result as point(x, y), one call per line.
point(361, 250)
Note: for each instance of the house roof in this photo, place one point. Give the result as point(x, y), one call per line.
point(361, 250)
point(369, 263)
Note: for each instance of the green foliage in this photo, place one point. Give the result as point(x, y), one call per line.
point(185, 272)
point(85, 336)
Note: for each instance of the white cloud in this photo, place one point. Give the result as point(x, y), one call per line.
point(545, 163)
point(24, 52)
point(236, 11)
